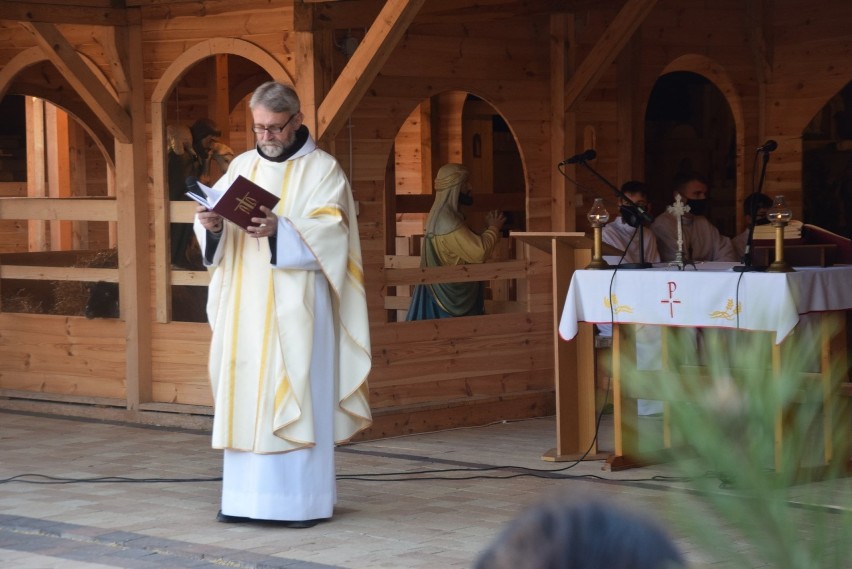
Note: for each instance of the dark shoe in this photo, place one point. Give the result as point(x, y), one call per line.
point(302, 524)
point(225, 519)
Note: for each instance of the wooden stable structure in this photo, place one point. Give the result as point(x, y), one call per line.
point(394, 89)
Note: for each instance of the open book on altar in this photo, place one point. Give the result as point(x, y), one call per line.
point(238, 204)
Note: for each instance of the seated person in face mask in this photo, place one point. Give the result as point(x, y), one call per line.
point(701, 240)
point(619, 232)
point(764, 202)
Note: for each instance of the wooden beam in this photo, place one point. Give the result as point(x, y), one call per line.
point(113, 42)
point(560, 25)
point(36, 172)
point(313, 65)
point(612, 41)
point(63, 55)
point(131, 191)
point(422, 203)
point(379, 42)
point(78, 209)
point(221, 104)
point(190, 278)
point(491, 271)
point(58, 171)
point(17, 64)
point(58, 273)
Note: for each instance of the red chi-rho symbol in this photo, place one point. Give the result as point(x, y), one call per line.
point(671, 300)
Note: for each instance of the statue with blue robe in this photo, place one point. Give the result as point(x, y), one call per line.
point(449, 241)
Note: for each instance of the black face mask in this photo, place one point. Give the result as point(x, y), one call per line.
point(698, 207)
point(465, 199)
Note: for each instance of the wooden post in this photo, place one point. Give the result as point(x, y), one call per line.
point(58, 172)
point(574, 361)
point(559, 62)
point(36, 176)
point(221, 102)
point(132, 202)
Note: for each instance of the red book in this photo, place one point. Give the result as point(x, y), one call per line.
point(817, 235)
point(238, 204)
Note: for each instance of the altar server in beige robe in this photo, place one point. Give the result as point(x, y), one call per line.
point(701, 240)
point(290, 351)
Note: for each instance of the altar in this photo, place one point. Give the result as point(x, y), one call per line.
point(711, 295)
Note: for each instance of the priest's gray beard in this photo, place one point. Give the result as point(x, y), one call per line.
point(274, 147)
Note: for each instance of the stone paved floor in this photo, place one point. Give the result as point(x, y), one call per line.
point(402, 521)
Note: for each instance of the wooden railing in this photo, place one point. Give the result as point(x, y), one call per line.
point(405, 271)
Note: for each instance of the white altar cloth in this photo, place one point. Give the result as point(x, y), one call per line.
point(709, 295)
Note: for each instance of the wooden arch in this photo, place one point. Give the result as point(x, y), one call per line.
point(716, 74)
point(476, 93)
point(214, 46)
point(389, 194)
point(169, 79)
point(85, 116)
point(810, 106)
point(706, 67)
point(25, 59)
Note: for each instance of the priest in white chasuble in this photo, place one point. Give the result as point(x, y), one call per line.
point(290, 351)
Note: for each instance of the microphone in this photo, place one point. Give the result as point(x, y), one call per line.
point(768, 146)
point(589, 154)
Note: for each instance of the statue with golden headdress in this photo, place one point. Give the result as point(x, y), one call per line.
point(449, 241)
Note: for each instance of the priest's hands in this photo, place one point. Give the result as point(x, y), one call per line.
point(265, 226)
point(211, 221)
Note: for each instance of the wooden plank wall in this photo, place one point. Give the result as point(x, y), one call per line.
point(811, 63)
point(446, 373)
point(434, 374)
point(13, 232)
point(82, 360)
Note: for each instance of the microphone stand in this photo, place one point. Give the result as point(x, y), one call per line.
point(747, 267)
point(636, 218)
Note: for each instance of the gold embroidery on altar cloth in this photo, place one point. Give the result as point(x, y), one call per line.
point(730, 312)
point(613, 304)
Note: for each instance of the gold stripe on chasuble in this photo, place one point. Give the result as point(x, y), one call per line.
point(264, 353)
point(331, 211)
point(285, 183)
point(282, 391)
point(355, 271)
point(232, 363)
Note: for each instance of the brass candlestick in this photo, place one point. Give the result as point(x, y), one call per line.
point(598, 216)
point(779, 216)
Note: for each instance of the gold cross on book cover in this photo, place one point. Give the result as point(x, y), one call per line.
point(238, 204)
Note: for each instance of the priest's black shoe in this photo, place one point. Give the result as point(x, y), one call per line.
point(298, 524)
point(226, 519)
point(301, 524)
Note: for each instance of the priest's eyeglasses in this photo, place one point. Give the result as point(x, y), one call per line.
point(272, 129)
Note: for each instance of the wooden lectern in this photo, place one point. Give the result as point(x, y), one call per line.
point(573, 362)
